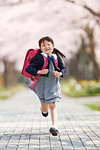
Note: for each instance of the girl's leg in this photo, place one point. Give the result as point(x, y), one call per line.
point(53, 110)
point(44, 107)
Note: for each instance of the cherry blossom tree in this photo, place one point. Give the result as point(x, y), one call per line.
point(84, 4)
point(22, 25)
point(90, 29)
point(9, 2)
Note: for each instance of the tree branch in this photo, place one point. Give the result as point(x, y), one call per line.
point(92, 11)
point(87, 8)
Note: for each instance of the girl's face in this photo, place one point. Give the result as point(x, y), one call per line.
point(47, 47)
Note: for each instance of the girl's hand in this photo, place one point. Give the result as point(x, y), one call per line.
point(44, 71)
point(57, 74)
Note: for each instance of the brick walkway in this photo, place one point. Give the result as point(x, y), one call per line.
point(22, 126)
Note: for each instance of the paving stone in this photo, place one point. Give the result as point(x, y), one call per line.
point(22, 127)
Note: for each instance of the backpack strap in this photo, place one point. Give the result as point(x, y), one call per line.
point(56, 62)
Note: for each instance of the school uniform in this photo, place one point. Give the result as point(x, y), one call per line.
point(47, 87)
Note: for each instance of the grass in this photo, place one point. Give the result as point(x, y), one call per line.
point(74, 88)
point(95, 106)
point(8, 92)
point(70, 91)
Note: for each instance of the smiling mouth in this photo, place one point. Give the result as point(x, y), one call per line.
point(47, 50)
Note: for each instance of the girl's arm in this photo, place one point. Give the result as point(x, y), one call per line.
point(61, 67)
point(32, 68)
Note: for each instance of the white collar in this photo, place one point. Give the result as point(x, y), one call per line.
point(55, 56)
point(44, 54)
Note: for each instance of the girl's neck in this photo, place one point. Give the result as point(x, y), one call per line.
point(50, 54)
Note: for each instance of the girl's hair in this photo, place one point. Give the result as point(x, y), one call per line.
point(55, 51)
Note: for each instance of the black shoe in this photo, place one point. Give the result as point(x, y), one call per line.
point(53, 131)
point(45, 114)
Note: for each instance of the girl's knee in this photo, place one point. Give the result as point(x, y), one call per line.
point(52, 106)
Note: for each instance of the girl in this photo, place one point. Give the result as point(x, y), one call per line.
point(47, 87)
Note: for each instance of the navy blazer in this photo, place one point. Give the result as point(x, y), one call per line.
point(38, 62)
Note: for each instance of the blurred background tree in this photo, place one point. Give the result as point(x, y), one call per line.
point(84, 64)
point(73, 24)
point(10, 2)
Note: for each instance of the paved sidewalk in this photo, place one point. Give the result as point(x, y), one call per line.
point(22, 126)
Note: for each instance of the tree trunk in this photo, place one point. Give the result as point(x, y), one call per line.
point(9, 73)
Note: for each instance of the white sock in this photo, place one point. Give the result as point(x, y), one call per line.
point(44, 112)
point(54, 127)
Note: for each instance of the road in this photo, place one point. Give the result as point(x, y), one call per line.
point(22, 127)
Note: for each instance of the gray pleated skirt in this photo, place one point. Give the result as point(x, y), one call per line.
point(48, 88)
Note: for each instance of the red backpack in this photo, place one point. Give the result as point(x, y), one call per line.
point(29, 55)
